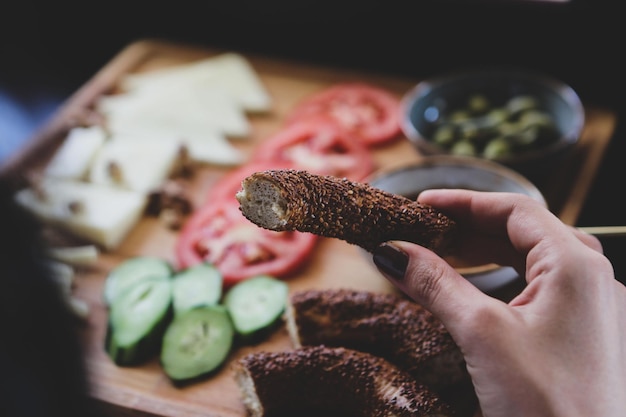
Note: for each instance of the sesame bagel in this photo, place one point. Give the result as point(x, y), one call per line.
point(331, 380)
point(328, 206)
point(385, 325)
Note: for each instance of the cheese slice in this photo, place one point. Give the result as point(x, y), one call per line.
point(128, 162)
point(230, 70)
point(73, 158)
point(205, 147)
point(202, 108)
point(102, 215)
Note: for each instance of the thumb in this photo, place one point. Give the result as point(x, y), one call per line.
point(429, 280)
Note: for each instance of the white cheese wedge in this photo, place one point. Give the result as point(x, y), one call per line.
point(201, 108)
point(75, 255)
point(205, 147)
point(100, 214)
point(73, 158)
point(129, 162)
point(229, 70)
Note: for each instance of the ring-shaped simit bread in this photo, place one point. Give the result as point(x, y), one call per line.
point(336, 380)
point(358, 213)
point(385, 325)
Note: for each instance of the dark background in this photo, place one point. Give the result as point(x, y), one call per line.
point(50, 49)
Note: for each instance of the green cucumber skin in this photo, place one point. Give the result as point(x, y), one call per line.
point(129, 352)
point(199, 285)
point(210, 328)
point(131, 271)
point(252, 325)
point(237, 314)
point(139, 353)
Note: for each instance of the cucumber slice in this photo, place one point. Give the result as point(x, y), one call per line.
point(196, 343)
point(131, 271)
point(137, 321)
point(199, 285)
point(256, 304)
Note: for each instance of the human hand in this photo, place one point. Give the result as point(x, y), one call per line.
point(559, 347)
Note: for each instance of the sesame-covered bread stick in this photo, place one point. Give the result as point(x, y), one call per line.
point(328, 206)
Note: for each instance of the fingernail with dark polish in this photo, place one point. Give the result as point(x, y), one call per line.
point(391, 260)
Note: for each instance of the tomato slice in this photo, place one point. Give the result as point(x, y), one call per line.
point(370, 113)
point(218, 233)
point(318, 146)
point(221, 235)
point(228, 185)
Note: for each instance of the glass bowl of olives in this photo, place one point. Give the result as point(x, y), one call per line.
point(518, 118)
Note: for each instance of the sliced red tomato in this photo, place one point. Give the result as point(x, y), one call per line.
point(370, 113)
point(218, 233)
point(317, 146)
point(228, 185)
point(221, 235)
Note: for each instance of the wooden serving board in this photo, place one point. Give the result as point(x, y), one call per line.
point(145, 390)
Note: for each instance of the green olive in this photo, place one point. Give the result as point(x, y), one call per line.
point(445, 135)
point(481, 129)
point(535, 118)
point(508, 128)
point(496, 116)
point(497, 148)
point(459, 116)
point(478, 104)
point(469, 130)
point(463, 148)
point(526, 137)
point(521, 103)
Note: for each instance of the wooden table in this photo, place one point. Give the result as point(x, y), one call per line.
point(145, 390)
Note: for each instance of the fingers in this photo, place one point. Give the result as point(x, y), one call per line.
point(514, 223)
point(591, 241)
point(501, 224)
point(428, 279)
point(504, 228)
